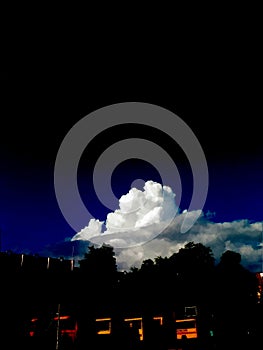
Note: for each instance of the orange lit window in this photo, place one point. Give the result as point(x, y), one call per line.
point(136, 323)
point(186, 328)
point(61, 318)
point(103, 325)
point(67, 326)
point(158, 318)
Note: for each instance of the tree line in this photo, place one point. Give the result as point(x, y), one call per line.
point(226, 294)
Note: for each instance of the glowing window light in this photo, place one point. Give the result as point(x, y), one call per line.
point(158, 318)
point(132, 324)
point(190, 311)
point(61, 318)
point(186, 328)
point(106, 321)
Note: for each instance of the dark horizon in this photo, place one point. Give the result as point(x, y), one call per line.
point(160, 290)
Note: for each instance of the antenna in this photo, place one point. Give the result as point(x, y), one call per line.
point(72, 258)
point(58, 325)
point(73, 251)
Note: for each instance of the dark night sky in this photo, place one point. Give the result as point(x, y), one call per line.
point(213, 86)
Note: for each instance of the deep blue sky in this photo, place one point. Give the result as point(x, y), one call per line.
point(216, 95)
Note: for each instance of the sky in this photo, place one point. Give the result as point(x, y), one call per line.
point(214, 92)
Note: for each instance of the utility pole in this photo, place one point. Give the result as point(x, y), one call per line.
point(58, 328)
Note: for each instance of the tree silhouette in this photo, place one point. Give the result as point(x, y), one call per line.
point(194, 266)
point(99, 267)
point(193, 257)
point(235, 298)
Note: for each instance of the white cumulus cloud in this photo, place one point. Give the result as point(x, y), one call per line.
point(141, 216)
point(148, 224)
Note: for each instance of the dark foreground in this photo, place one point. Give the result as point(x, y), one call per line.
point(129, 343)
